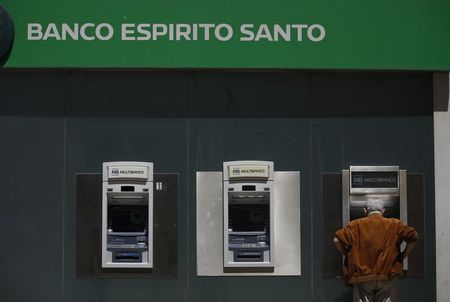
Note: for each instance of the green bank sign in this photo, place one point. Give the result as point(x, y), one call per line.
point(318, 34)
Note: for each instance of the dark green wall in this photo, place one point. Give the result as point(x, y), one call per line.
point(56, 123)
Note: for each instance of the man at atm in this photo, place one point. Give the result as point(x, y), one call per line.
point(371, 246)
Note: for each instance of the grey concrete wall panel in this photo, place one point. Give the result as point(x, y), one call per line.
point(235, 96)
point(371, 94)
point(416, 206)
point(31, 209)
point(209, 213)
point(185, 121)
point(332, 221)
point(40, 93)
point(117, 94)
point(210, 228)
point(286, 143)
point(89, 143)
point(403, 141)
point(88, 225)
point(441, 91)
point(442, 176)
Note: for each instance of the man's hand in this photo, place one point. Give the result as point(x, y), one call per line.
point(339, 245)
point(409, 247)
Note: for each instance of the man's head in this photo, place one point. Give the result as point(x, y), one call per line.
point(374, 205)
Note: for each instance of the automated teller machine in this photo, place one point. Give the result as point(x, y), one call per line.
point(347, 192)
point(248, 220)
point(127, 215)
point(387, 183)
point(382, 182)
point(248, 214)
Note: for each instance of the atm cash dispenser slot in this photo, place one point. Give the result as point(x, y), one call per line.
point(127, 220)
point(248, 214)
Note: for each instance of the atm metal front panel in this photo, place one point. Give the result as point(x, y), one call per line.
point(127, 215)
point(360, 183)
point(248, 214)
point(248, 221)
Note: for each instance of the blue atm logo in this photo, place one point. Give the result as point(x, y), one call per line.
point(236, 171)
point(115, 172)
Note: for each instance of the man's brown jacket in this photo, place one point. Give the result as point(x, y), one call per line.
point(372, 247)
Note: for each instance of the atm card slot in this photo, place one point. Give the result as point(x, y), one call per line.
point(248, 257)
point(127, 188)
point(127, 257)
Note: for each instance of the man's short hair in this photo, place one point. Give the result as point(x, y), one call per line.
point(374, 204)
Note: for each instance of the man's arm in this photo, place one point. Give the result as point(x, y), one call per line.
point(337, 243)
point(410, 236)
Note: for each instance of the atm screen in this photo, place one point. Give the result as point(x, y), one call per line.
point(127, 218)
point(248, 217)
